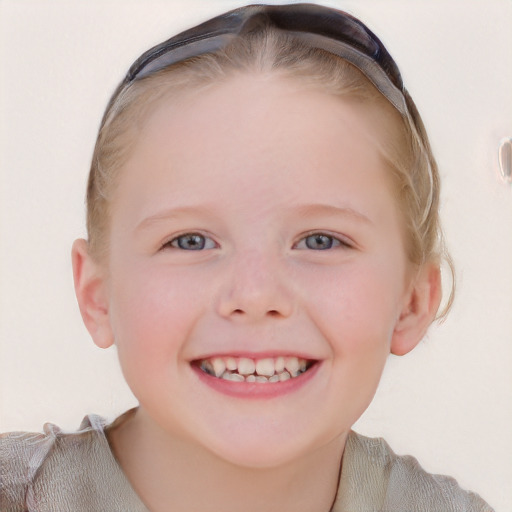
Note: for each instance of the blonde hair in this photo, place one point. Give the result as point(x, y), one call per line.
point(408, 155)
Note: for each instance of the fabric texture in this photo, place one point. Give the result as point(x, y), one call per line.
point(57, 472)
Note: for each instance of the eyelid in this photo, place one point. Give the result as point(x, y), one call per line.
point(166, 244)
point(344, 241)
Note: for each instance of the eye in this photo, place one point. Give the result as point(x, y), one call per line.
point(320, 242)
point(191, 242)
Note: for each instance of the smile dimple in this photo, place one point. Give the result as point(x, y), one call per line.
point(244, 369)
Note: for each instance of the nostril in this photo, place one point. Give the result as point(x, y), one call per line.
point(272, 312)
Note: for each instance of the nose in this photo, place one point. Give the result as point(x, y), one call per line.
point(256, 287)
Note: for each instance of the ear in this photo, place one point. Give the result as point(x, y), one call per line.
point(419, 311)
point(92, 294)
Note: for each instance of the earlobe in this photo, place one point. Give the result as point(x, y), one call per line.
point(91, 294)
point(419, 311)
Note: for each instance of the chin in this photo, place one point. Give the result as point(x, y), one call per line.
point(266, 447)
point(258, 456)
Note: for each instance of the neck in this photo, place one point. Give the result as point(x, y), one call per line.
point(171, 473)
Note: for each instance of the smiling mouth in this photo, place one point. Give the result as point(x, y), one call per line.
point(244, 369)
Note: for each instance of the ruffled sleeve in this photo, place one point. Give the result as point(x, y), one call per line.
point(21, 456)
point(57, 471)
point(375, 479)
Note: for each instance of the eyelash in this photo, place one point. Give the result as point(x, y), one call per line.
point(174, 243)
point(334, 242)
point(208, 243)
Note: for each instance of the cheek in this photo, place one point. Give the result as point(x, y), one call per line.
point(358, 305)
point(152, 312)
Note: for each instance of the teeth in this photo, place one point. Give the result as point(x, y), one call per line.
point(236, 377)
point(231, 363)
point(246, 369)
point(246, 366)
point(207, 367)
point(279, 365)
point(219, 366)
point(265, 367)
point(292, 365)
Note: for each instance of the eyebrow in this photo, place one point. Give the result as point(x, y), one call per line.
point(328, 209)
point(171, 213)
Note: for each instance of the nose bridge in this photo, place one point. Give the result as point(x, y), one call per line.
point(256, 286)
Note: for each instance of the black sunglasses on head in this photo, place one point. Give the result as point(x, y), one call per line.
point(320, 27)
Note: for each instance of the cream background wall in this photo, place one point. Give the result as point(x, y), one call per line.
point(449, 402)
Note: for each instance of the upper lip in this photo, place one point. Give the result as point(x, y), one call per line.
point(257, 355)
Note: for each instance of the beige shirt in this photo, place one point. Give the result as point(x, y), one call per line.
point(58, 472)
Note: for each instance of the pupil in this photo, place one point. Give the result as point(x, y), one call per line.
point(194, 242)
point(319, 242)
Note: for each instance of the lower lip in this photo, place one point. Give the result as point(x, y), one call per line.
point(257, 390)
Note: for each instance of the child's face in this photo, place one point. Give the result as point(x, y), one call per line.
point(265, 174)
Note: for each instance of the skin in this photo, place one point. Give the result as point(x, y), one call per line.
point(255, 166)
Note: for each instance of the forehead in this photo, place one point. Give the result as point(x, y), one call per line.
point(268, 133)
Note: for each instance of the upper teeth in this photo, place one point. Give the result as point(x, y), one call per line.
point(259, 370)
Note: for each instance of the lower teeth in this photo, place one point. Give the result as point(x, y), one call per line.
point(236, 377)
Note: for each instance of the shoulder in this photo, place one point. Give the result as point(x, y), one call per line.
point(376, 478)
point(45, 471)
point(25, 457)
point(21, 455)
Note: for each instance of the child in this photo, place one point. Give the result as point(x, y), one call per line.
point(263, 231)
